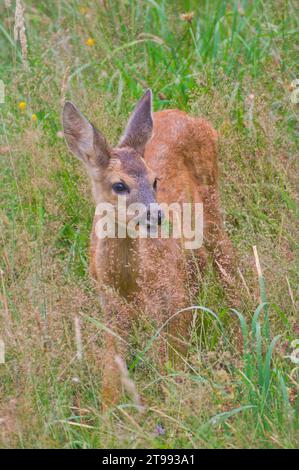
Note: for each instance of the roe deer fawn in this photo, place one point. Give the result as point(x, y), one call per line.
point(164, 157)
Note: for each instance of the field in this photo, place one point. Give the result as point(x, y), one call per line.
point(233, 62)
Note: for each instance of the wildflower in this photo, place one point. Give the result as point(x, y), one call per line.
point(160, 431)
point(22, 105)
point(34, 117)
point(90, 42)
point(294, 88)
point(187, 16)
point(295, 353)
point(294, 84)
point(83, 10)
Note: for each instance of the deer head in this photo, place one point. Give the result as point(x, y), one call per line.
point(119, 171)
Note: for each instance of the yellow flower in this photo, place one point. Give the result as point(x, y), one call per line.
point(83, 10)
point(22, 105)
point(34, 117)
point(90, 42)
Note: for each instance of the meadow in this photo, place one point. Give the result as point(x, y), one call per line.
point(233, 62)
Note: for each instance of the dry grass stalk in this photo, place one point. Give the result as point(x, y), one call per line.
point(291, 292)
point(64, 85)
point(127, 383)
point(19, 29)
point(262, 286)
point(250, 110)
point(257, 261)
point(6, 314)
point(244, 282)
point(78, 338)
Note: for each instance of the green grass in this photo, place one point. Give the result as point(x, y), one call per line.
point(232, 52)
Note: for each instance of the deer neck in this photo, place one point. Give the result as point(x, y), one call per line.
point(121, 264)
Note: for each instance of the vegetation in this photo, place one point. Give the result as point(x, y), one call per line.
point(231, 61)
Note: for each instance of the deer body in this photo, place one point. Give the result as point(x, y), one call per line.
point(149, 275)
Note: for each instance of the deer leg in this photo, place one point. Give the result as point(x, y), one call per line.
point(178, 337)
point(172, 348)
point(173, 342)
point(118, 327)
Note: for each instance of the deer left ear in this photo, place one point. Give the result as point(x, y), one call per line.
point(83, 139)
point(140, 126)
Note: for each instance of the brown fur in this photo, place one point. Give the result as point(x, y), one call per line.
point(150, 275)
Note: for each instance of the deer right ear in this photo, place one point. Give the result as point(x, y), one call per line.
point(83, 139)
point(140, 126)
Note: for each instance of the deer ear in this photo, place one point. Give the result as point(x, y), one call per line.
point(140, 126)
point(83, 139)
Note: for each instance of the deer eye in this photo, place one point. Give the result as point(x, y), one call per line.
point(120, 188)
point(155, 184)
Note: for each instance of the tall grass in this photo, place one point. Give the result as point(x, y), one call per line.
point(233, 63)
